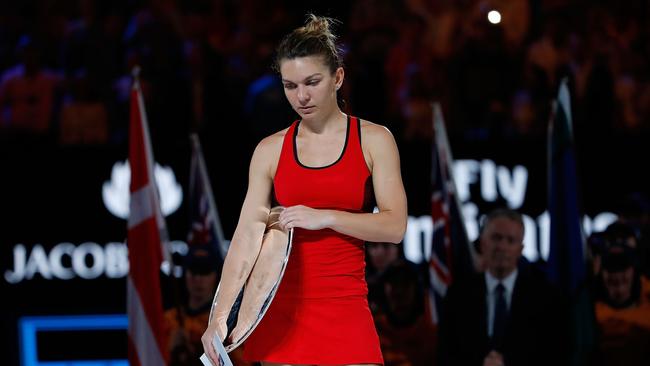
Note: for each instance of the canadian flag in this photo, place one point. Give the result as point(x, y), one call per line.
point(146, 236)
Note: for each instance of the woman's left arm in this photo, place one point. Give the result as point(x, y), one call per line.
point(387, 225)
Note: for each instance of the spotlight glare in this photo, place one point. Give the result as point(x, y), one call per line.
point(494, 17)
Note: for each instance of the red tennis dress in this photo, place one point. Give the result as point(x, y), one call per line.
point(320, 313)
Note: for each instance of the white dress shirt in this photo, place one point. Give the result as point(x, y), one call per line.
point(491, 283)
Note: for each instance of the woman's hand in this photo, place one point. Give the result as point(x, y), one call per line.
point(217, 327)
point(305, 218)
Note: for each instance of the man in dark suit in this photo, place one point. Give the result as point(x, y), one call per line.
point(507, 315)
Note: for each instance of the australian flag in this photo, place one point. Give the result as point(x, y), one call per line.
point(451, 253)
point(205, 227)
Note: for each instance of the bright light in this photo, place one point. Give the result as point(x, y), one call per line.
point(494, 17)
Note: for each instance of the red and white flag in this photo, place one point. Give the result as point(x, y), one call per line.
point(147, 234)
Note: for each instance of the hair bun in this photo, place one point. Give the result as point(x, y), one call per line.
point(319, 25)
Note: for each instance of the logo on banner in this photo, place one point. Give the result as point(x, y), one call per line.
point(115, 192)
point(86, 261)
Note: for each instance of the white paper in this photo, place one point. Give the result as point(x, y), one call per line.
point(221, 352)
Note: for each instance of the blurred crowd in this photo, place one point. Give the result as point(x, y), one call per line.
point(605, 322)
point(65, 66)
point(66, 72)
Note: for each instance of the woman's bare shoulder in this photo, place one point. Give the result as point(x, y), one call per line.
point(268, 151)
point(374, 132)
point(272, 142)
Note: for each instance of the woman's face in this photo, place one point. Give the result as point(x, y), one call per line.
point(310, 86)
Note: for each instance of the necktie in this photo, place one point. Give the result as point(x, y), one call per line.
point(500, 315)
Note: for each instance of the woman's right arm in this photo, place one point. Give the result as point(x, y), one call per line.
point(247, 238)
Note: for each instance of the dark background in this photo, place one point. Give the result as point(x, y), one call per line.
point(206, 68)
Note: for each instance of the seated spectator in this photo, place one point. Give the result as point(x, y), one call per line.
point(622, 309)
point(406, 333)
point(187, 322)
point(28, 94)
point(379, 257)
point(507, 315)
point(84, 118)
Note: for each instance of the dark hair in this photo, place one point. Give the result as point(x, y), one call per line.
point(313, 39)
point(619, 231)
point(502, 212)
point(202, 259)
point(618, 257)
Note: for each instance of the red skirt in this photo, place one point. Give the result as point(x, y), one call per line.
point(332, 331)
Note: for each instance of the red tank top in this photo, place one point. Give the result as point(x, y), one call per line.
point(325, 263)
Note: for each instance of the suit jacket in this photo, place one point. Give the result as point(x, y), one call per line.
point(535, 333)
